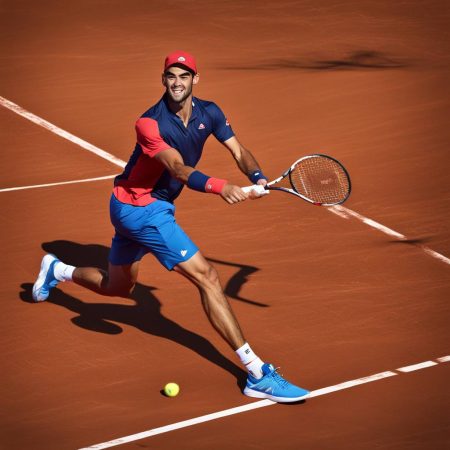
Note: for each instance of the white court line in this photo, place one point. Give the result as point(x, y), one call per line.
point(419, 366)
point(260, 404)
point(443, 359)
point(339, 210)
point(434, 254)
point(85, 180)
point(351, 383)
point(60, 132)
point(346, 213)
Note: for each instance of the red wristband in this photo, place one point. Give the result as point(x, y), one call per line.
point(215, 185)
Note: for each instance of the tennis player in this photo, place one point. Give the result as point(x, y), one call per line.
point(170, 140)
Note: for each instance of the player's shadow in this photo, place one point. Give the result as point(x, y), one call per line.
point(145, 312)
point(95, 255)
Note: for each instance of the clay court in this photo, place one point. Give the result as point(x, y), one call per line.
point(351, 302)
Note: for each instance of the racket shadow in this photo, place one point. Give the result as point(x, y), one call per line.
point(83, 255)
point(412, 241)
point(356, 60)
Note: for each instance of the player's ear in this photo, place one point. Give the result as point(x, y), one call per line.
point(195, 78)
point(163, 79)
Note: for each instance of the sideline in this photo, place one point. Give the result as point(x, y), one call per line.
point(85, 180)
point(346, 213)
point(60, 132)
point(264, 403)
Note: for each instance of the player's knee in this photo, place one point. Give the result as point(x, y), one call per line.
point(208, 277)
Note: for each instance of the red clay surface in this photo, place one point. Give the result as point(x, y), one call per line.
point(327, 299)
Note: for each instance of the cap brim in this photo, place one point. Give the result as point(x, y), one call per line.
point(181, 66)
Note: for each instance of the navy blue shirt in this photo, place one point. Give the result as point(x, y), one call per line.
point(146, 179)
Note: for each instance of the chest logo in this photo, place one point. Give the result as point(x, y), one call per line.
point(201, 127)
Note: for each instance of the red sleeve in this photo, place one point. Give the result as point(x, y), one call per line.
point(148, 136)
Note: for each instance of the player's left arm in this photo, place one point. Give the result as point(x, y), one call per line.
point(245, 160)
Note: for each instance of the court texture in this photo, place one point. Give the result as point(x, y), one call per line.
point(352, 302)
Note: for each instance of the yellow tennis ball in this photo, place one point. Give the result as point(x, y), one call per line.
point(171, 389)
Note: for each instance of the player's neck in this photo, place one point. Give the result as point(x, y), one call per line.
point(183, 109)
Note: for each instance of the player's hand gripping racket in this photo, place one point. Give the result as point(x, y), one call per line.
point(318, 179)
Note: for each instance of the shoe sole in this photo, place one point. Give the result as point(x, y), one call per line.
point(256, 394)
point(37, 286)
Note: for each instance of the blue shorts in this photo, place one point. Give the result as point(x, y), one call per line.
point(148, 229)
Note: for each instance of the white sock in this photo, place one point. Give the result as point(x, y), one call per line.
point(63, 272)
point(252, 363)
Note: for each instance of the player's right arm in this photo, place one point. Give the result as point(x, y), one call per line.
point(153, 145)
point(172, 160)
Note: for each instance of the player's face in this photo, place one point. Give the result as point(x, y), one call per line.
point(178, 83)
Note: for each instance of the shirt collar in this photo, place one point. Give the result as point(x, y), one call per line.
point(194, 113)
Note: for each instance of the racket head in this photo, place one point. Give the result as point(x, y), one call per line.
point(320, 179)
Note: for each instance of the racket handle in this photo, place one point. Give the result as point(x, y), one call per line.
point(257, 188)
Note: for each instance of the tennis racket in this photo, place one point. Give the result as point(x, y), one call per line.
point(318, 179)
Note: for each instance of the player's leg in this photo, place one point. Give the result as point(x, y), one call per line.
point(119, 280)
point(218, 309)
point(130, 223)
point(214, 301)
point(175, 250)
point(263, 380)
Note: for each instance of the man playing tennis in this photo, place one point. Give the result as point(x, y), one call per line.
point(170, 140)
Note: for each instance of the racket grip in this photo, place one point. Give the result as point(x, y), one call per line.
point(257, 188)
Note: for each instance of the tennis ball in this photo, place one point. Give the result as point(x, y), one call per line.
point(171, 389)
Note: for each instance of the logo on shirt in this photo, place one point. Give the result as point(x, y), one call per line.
point(227, 123)
point(183, 253)
point(201, 127)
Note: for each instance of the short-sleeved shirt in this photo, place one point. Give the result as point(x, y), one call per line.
point(144, 178)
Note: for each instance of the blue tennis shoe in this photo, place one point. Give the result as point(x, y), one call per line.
point(273, 387)
point(46, 279)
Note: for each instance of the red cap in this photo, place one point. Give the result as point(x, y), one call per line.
point(182, 59)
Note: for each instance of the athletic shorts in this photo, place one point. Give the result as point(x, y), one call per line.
point(148, 229)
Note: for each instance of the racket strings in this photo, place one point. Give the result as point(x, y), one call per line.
point(321, 179)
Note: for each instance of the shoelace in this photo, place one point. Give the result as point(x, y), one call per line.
point(279, 378)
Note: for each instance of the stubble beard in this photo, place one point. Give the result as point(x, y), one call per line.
point(181, 100)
